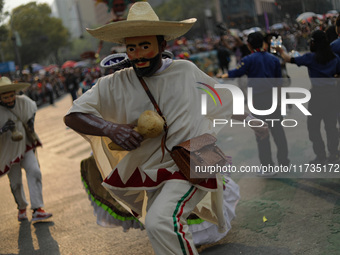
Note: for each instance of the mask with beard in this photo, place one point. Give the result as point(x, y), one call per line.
point(7, 106)
point(155, 64)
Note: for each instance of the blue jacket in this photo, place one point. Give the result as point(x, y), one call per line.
point(335, 45)
point(259, 65)
point(316, 70)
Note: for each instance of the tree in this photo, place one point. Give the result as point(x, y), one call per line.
point(3, 28)
point(79, 45)
point(1, 6)
point(40, 34)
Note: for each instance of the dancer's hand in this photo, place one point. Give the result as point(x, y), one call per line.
point(124, 136)
point(30, 124)
point(9, 125)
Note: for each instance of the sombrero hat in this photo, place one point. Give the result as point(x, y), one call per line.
point(141, 21)
point(6, 85)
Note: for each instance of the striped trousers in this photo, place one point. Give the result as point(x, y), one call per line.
point(167, 210)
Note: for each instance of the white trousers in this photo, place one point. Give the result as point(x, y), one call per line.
point(167, 210)
point(33, 176)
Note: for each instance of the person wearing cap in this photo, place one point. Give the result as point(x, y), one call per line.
point(17, 151)
point(323, 65)
point(149, 185)
point(261, 64)
point(335, 45)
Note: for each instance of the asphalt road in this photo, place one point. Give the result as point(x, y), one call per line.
point(303, 214)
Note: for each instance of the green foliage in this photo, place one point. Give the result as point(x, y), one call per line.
point(3, 29)
point(3, 33)
point(40, 33)
point(78, 46)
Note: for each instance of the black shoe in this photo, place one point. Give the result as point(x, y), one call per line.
point(333, 158)
point(318, 160)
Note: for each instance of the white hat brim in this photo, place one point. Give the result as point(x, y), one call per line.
point(117, 31)
point(13, 87)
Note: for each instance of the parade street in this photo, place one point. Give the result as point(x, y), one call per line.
point(280, 216)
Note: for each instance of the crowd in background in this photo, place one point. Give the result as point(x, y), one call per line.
point(48, 86)
point(294, 37)
point(212, 54)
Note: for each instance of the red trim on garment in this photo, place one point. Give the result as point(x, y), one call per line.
point(163, 175)
point(17, 159)
point(181, 225)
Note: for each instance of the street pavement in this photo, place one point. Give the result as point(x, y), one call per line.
point(289, 214)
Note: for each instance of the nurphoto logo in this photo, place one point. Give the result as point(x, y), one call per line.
point(239, 105)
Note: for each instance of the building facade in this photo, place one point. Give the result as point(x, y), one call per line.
point(77, 15)
point(244, 14)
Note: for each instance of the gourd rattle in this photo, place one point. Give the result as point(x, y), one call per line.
point(149, 125)
point(16, 135)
